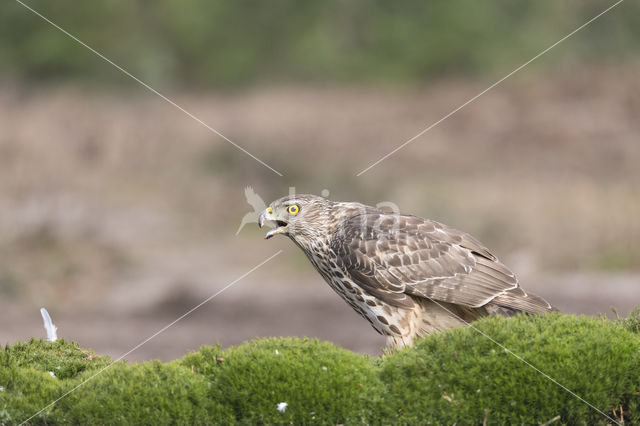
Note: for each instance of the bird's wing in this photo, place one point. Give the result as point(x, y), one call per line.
point(392, 255)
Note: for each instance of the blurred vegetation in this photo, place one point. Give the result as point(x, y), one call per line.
point(458, 376)
point(199, 43)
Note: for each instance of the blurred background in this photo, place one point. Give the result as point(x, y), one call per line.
point(118, 213)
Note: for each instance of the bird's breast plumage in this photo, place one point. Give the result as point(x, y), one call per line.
point(386, 319)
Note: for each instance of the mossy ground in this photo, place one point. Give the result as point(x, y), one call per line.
point(455, 377)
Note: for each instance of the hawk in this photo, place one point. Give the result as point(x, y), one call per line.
point(406, 275)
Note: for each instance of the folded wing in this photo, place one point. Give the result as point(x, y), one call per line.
point(394, 256)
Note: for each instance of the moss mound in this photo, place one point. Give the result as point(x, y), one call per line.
point(34, 374)
point(455, 377)
point(145, 393)
point(320, 382)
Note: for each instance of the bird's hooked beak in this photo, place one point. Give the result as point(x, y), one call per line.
point(266, 216)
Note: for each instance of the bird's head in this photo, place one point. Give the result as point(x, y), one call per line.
point(303, 218)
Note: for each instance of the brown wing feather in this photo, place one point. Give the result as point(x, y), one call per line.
point(391, 256)
point(519, 300)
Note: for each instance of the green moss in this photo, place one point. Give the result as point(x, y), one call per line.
point(35, 373)
point(64, 359)
point(632, 323)
point(26, 391)
point(113, 393)
point(144, 393)
point(320, 382)
point(452, 377)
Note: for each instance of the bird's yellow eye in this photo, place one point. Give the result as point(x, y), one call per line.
point(293, 209)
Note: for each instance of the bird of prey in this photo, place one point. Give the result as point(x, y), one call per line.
point(406, 275)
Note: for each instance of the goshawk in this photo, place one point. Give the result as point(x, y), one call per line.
point(406, 275)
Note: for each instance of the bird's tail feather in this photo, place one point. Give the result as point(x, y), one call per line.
point(517, 300)
point(440, 316)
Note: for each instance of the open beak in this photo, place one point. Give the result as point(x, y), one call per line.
point(267, 216)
